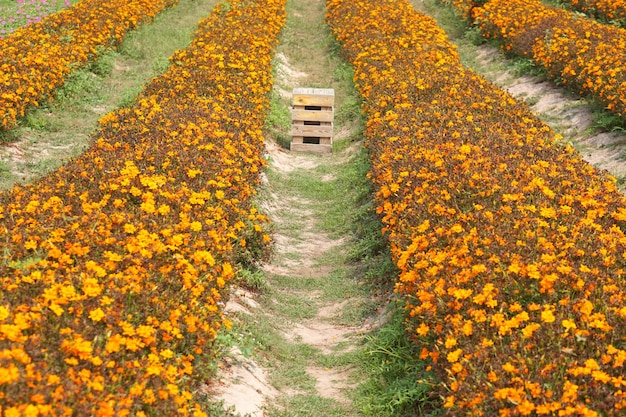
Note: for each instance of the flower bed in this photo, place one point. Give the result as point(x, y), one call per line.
point(511, 247)
point(36, 59)
point(114, 267)
point(576, 51)
point(607, 10)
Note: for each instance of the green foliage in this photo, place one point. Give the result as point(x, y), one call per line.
point(8, 136)
point(369, 249)
point(278, 120)
point(525, 66)
point(81, 83)
point(160, 65)
point(103, 66)
point(400, 384)
point(35, 121)
point(473, 35)
point(252, 279)
point(4, 168)
point(605, 121)
point(278, 116)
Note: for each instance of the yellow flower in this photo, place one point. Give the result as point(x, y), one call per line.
point(547, 316)
point(450, 342)
point(548, 212)
point(97, 314)
point(528, 331)
point(192, 173)
point(4, 313)
point(204, 256)
point(449, 403)
point(91, 287)
point(145, 331)
point(9, 375)
point(154, 369)
point(508, 367)
point(454, 356)
point(30, 244)
point(568, 324)
point(167, 353)
point(423, 329)
point(12, 412)
point(56, 309)
point(467, 328)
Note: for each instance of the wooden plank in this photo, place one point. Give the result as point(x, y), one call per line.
point(313, 108)
point(306, 130)
point(312, 115)
point(313, 96)
point(314, 91)
point(311, 100)
point(308, 147)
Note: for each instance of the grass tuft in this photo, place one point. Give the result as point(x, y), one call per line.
point(399, 385)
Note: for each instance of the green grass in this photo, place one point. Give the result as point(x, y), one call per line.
point(398, 383)
point(307, 406)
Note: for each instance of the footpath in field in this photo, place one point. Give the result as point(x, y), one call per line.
point(308, 316)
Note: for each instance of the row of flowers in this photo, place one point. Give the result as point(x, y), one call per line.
point(577, 51)
point(37, 58)
point(114, 268)
point(511, 247)
point(611, 11)
point(606, 10)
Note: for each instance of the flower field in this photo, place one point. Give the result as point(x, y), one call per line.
point(114, 267)
point(511, 247)
point(608, 10)
point(579, 52)
point(37, 58)
point(23, 13)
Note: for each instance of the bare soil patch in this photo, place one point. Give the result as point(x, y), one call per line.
point(244, 385)
point(330, 383)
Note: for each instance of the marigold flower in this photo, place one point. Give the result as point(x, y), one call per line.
point(97, 314)
point(454, 356)
point(547, 316)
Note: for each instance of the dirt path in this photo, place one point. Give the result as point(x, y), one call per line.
point(308, 318)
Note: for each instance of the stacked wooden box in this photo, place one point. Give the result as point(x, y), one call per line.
point(312, 118)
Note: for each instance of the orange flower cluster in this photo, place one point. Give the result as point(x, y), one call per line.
point(577, 51)
point(36, 59)
point(113, 268)
point(608, 10)
point(511, 247)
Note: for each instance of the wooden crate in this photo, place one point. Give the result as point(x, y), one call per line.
point(312, 117)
